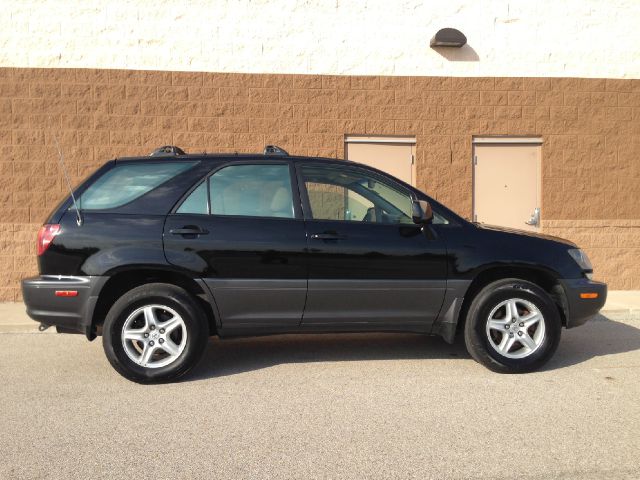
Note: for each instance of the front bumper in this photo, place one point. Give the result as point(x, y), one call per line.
point(66, 313)
point(578, 310)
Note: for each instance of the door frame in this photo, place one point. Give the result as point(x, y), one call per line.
point(320, 286)
point(304, 194)
point(388, 140)
point(295, 188)
point(503, 140)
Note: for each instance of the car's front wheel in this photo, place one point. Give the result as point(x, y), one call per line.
point(154, 333)
point(512, 326)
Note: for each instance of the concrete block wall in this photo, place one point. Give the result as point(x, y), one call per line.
point(613, 247)
point(590, 130)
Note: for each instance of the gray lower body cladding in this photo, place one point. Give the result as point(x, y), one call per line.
point(72, 312)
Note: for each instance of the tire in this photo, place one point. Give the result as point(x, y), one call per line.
point(508, 343)
point(137, 345)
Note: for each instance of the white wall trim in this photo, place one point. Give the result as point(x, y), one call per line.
point(506, 38)
point(379, 139)
point(498, 139)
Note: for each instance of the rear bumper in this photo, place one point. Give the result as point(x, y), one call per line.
point(578, 310)
point(70, 313)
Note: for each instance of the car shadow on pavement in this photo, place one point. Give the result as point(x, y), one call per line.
point(239, 355)
point(601, 336)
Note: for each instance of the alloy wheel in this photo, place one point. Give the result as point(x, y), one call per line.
point(515, 328)
point(154, 336)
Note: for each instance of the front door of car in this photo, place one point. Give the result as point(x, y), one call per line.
point(370, 265)
point(242, 232)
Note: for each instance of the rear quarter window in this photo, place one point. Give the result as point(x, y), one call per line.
point(127, 182)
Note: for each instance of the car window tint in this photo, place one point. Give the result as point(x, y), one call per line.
point(126, 182)
point(337, 193)
point(439, 219)
point(196, 202)
point(252, 190)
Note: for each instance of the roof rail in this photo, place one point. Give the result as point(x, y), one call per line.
point(167, 151)
point(275, 150)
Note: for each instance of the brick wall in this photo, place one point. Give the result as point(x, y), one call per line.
point(590, 128)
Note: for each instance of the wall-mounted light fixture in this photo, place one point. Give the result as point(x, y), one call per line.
point(448, 37)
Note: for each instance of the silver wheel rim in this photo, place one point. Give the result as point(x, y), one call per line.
point(154, 336)
point(515, 328)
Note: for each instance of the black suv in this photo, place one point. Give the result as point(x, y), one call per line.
point(161, 252)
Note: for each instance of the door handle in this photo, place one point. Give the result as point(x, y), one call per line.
point(328, 236)
point(188, 230)
point(535, 218)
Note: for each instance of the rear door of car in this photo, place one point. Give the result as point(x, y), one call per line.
point(241, 229)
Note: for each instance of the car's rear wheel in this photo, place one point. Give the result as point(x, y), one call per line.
point(154, 333)
point(512, 326)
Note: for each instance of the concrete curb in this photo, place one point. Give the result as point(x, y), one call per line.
point(23, 328)
point(620, 311)
point(14, 319)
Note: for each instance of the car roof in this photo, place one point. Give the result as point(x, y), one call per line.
point(174, 153)
point(229, 156)
point(224, 156)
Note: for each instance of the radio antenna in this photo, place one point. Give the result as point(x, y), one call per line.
point(66, 178)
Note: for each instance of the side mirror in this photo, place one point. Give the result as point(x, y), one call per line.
point(421, 212)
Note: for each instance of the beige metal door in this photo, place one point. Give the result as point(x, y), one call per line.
point(507, 185)
point(390, 155)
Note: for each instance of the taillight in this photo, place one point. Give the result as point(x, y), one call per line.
point(45, 236)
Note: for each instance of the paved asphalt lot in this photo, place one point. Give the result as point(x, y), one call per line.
point(328, 406)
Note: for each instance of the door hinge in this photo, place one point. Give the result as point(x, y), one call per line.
point(475, 217)
point(413, 159)
point(475, 160)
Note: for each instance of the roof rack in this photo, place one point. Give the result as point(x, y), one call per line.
point(167, 151)
point(275, 150)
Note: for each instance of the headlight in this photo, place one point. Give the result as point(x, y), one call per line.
point(581, 258)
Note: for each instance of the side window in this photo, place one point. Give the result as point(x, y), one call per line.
point(252, 190)
point(128, 181)
point(196, 202)
point(246, 190)
point(439, 219)
point(337, 193)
